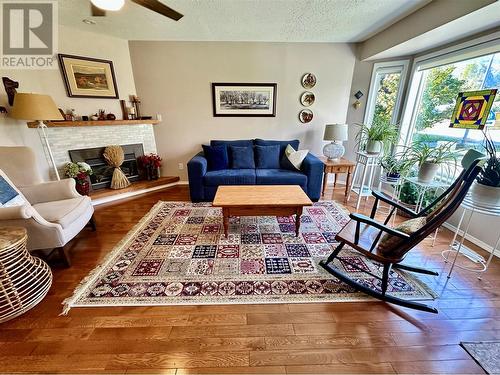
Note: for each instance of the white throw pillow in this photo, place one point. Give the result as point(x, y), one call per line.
point(9, 195)
point(295, 157)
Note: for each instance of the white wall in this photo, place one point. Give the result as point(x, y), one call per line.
point(76, 42)
point(174, 79)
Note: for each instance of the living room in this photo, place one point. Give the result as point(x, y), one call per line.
point(250, 186)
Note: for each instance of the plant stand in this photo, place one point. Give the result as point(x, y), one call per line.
point(423, 187)
point(368, 162)
point(481, 264)
point(396, 188)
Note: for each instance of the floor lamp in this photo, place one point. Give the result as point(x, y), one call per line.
point(39, 108)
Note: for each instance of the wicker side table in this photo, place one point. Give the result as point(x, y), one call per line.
point(24, 279)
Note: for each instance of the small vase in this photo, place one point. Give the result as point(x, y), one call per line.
point(393, 176)
point(155, 173)
point(83, 187)
point(373, 147)
point(147, 172)
point(427, 172)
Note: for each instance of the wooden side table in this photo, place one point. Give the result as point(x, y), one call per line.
point(24, 279)
point(341, 165)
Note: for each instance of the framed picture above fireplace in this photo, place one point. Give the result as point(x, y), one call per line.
point(244, 99)
point(87, 77)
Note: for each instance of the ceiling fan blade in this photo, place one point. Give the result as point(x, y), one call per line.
point(158, 7)
point(97, 12)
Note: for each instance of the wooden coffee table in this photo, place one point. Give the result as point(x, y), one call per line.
point(261, 200)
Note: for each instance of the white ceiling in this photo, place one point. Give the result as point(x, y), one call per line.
point(246, 20)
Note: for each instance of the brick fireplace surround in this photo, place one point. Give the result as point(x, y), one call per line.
point(64, 139)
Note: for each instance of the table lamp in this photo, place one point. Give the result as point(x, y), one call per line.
point(335, 133)
point(40, 108)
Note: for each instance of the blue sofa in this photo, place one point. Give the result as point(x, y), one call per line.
point(203, 183)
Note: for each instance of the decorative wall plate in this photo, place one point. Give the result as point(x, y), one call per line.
point(305, 116)
point(308, 81)
point(307, 99)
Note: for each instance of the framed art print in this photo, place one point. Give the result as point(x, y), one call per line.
point(244, 99)
point(472, 109)
point(86, 77)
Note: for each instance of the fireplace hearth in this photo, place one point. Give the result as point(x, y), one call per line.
point(101, 178)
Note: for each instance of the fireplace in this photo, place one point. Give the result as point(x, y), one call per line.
point(101, 178)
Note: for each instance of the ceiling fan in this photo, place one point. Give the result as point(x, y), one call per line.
point(99, 7)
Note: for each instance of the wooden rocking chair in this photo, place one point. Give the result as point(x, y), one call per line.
point(363, 234)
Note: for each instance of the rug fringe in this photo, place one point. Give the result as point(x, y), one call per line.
point(90, 278)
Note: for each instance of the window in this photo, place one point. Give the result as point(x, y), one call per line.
point(435, 87)
point(385, 93)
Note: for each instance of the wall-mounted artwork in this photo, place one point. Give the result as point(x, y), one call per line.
point(308, 81)
point(87, 77)
point(307, 99)
point(244, 99)
point(305, 116)
point(472, 109)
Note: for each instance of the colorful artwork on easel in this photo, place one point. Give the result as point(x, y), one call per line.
point(472, 109)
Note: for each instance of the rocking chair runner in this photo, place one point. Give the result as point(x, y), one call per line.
point(363, 234)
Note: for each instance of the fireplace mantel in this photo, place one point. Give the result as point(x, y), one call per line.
point(67, 124)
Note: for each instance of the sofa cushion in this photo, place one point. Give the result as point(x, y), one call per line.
point(280, 177)
point(292, 159)
point(230, 177)
point(267, 157)
point(9, 195)
point(242, 157)
point(216, 156)
point(239, 143)
point(63, 212)
point(265, 142)
point(388, 242)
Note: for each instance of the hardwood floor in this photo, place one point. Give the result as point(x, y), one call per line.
point(368, 337)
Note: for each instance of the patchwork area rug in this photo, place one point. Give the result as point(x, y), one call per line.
point(178, 254)
point(486, 354)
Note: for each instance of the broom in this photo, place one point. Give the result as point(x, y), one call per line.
point(114, 156)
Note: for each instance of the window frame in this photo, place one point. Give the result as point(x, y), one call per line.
point(386, 67)
point(464, 51)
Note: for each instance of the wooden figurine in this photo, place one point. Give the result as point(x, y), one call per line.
point(10, 89)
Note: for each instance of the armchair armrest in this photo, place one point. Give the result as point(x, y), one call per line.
point(313, 168)
point(16, 212)
point(384, 198)
point(197, 168)
point(368, 220)
point(50, 191)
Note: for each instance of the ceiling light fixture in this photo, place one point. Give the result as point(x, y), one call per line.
point(112, 5)
point(88, 22)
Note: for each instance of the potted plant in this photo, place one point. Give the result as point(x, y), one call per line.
point(409, 194)
point(486, 189)
point(377, 137)
point(150, 164)
point(394, 166)
point(80, 172)
point(428, 159)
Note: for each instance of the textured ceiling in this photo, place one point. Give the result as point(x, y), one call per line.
point(246, 20)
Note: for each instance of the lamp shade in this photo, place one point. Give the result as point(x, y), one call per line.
point(335, 132)
point(34, 107)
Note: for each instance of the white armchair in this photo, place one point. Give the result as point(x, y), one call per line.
point(54, 212)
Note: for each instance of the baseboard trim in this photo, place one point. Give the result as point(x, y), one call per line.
point(483, 245)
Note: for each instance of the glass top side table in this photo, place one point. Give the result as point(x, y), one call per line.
point(458, 246)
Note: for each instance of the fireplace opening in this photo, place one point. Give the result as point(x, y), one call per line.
point(102, 172)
